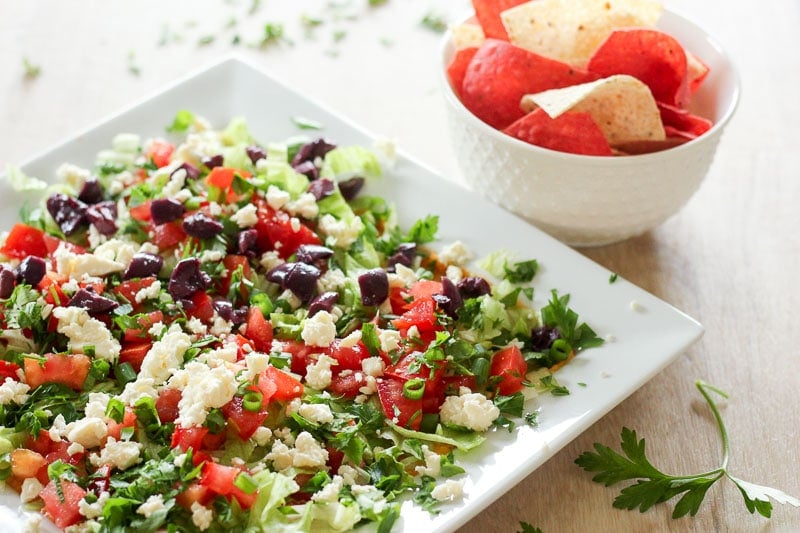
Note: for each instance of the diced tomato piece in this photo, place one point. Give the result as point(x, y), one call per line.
point(40, 444)
point(59, 452)
point(348, 357)
point(287, 387)
point(168, 235)
point(275, 232)
point(64, 512)
point(259, 330)
point(232, 263)
point(68, 369)
point(128, 421)
point(510, 365)
point(134, 354)
point(425, 288)
point(213, 441)
point(434, 385)
point(142, 334)
point(50, 287)
point(301, 355)
point(160, 152)
point(397, 299)
point(26, 463)
point(222, 178)
point(453, 383)
point(8, 370)
point(396, 407)
point(203, 307)
point(101, 480)
point(128, 288)
point(194, 493)
point(188, 438)
point(267, 388)
point(52, 244)
point(347, 384)
point(24, 240)
point(220, 480)
point(141, 212)
point(421, 313)
point(245, 422)
point(167, 405)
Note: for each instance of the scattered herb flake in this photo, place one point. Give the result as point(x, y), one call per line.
point(434, 22)
point(205, 40)
point(273, 32)
point(613, 277)
point(527, 528)
point(306, 123)
point(32, 71)
point(133, 66)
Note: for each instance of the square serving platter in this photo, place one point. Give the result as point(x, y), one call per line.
point(645, 334)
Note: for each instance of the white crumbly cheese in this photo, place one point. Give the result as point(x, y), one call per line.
point(256, 363)
point(149, 247)
point(214, 209)
point(293, 406)
point(151, 292)
point(196, 326)
point(389, 339)
point(120, 454)
point(30, 489)
point(331, 281)
point(370, 386)
point(280, 455)
point(220, 327)
point(175, 184)
point(203, 388)
point(319, 330)
point(246, 217)
point(115, 250)
point(75, 448)
point(58, 428)
point(318, 375)
point(295, 224)
point(152, 505)
point(330, 492)
point(305, 206)
point(227, 353)
point(413, 332)
point(636, 306)
point(449, 491)
point(89, 432)
point(340, 232)
point(316, 412)
point(73, 175)
point(270, 260)
point(201, 516)
point(454, 273)
point(373, 366)
point(262, 436)
point(308, 453)
point(433, 463)
point(290, 298)
point(472, 410)
point(95, 237)
point(83, 330)
point(12, 391)
point(369, 497)
point(277, 198)
point(403, 276)
point(93, 510)
point(156, 330)
point(32, 523)
point(210, 256)
point(136, 390)
point(455, 254)
point(198, 146)
point(349, 474)
point(165, 356)
point(351, 340)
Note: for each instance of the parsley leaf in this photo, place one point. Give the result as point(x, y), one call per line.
point(521, 272)
point(557, 314)
point(653, 486)
point(424, 230)
point(527, 528)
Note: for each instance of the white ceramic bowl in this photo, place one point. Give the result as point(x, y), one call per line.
point(592, 200)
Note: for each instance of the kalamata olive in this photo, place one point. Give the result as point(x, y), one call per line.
point(143, 265)
point(255, 153)
point(31, 270)
point(374, 285)
point(163, 210)
point(450, 300)
point(299, 278)
point(187, 279)
point(311, 151)
point(202, 226)
point(313, 254)
point(473, 286)
point(351, 187)
point(247, 243)
point(321, 188)
point(103, 216)
point(323, 302)
point(192, 172)
point(226, 311)
point(7, 282)
point(308, 169)
point(69, 213)
point(213, 161)
point(404, 255)
point(92, 302)
point(542, 338)
point(91, 192)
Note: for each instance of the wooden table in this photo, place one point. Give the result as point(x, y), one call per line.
point(730, 258)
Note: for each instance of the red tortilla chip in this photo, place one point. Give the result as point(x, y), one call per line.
point(682, 121)
point(698, 71)
point(488, 14)
point(457, 68)
point(650, 55)
point(576, 133)
point(500, 74)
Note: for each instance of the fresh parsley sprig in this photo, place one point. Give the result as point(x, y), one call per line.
point(653, 486)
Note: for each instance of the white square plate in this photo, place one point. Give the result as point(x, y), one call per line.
point(648, 333)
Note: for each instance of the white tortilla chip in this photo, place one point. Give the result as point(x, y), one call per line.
point(467, 36)
point(571, 30)
point(622, 106)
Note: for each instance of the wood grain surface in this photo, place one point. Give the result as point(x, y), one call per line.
point(730, 258)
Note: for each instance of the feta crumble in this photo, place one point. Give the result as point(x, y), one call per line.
point(471, 410)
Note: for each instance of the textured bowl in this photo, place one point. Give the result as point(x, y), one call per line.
point(593, 200)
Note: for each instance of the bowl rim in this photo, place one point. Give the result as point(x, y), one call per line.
point(445, 49)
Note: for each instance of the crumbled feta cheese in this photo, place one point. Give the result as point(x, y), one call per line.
point(340, 232)
point(262, 436)
point(136, 390)
point(120, 454)
point(330, 492)
point(280, 455)
point(30, 489)
point(149, 247)
point(73, 175)
point(295, 224)
point(175, 184)
point(201, 516)
point(349, 474)
point(370, 386)
point(636, 306)
point(472, 410)
point(319, 330)
point(318, 375)
point(293, 406)
point(83, 330)
point(449, 491)
point(75, 448)
point(454, 273)
point(256, 363)
point(210, 256)
point(214, 209)
point(115, 250)
point(270, 260)
point(246, 216)
point(89, 432)
point(373, 366)
point(455, 254)
point(198, 146)
point(290, 298)
point(277, 198)
point(12, 391)
point(331, 281)
point(220, 327)
point(316, 412)
point(59, 428)
point(93, 510)
point(305, 206)
point(433, 463)
point(166, 355)
point(403, 276)
point(151, 292)
point(389, 339)
point(203, 388)
point(95, 237)
point(308, 453)
point(196, 326)
point(152, 505)
point(369, 497)
point(156, 330)
point(351, 340)
point(413, 332)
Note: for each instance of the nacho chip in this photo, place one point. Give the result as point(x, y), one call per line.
point(500, 74)
point(698, 71)
point(683, 123)
point(457, 68)
point(652, 56)
point(488, 14)
point(571, 30)
point(467, 36)
point(622, 106)
point(576, 133)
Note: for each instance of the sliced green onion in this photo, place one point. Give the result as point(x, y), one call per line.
point(560, 350)
point(115, 410)
point(246, 483)
point(251, 401)
point(125, 373)
point(414, 389)
point(480, 367)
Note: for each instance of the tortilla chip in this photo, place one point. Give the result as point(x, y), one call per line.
point(698, 71)
point(681, 122)
point(576, 133)
point(571, 30)
point(488, 14)
point(457, 69)
point(467, 36)
point(622, 106)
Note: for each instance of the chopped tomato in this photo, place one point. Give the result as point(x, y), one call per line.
point(142, 334)
point(222, 178)
point(160, 152)
point(24, 240)
point(188, 438)
point(134, 354)
point(397, 300)
point(8, 370)
point(232, 263)
point(422, 314)
point(286, 387)
point(301, 356)
point(68, 369)
point(63, 511)
point(220, 480)
point(128, 421)
point(194, 493)
point(50, 287)
point(396, 406)
point(26, 463)
point(203, 307)
point(168, 235)
point(128, 289)
point(244, 421)
point(167, 405)
point(347, 384)
point(510, 365)
point(275, 232)
point(259, 330)
point(434, 383)
point(141, 212)
point(348, 357)
point(52, 244)
point(425, 288)
point(59, 451)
